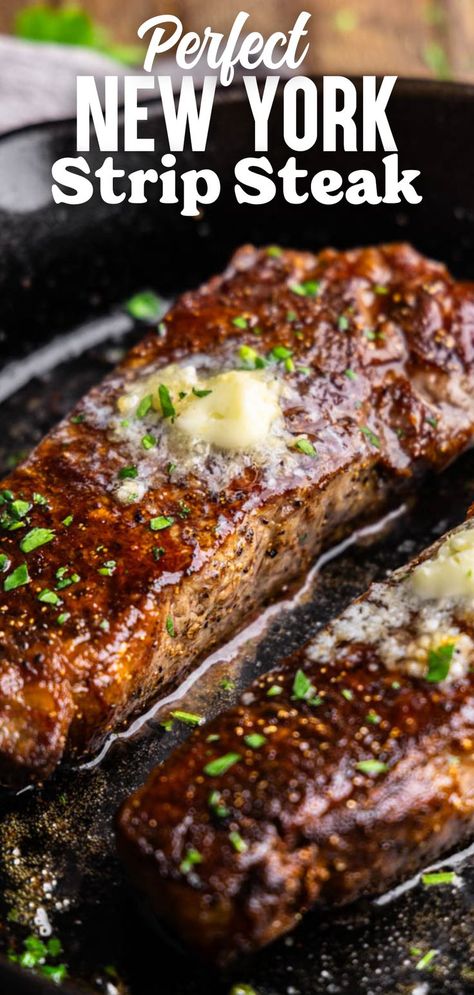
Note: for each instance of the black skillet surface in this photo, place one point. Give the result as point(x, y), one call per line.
point(60, 267)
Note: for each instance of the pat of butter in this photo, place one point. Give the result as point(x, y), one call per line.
point(450, 574)
point(237, 413)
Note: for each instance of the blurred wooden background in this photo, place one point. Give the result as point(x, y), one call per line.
point(408, 37)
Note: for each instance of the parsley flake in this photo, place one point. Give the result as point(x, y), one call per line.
point(221, 764)
point(17, 578)
point(439, 662)
point(35, 538)
point(161, 522)
point(167, 407)
point(371, 767)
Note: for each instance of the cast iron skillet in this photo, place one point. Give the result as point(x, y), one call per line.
point(61, 267)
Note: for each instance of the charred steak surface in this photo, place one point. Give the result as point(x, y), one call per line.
point(104, 601)
point(335, 776)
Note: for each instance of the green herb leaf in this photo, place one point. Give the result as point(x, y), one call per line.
point(310, 288)
point(158, 552)
point(306, 447)
point(251, 359)
point(347, 694)
point(274, 251)
point(255, 740)
point(371, 766)
point(144, 406)
point(373, 718)
point(280, 352)
point(371, 436)
point(17, 578)
point(148, 441)
point(439, 662)
point(145, 306)
point(68, 520)
point(240, 321)
point(39, 499)
point(4, 562)
point(221, 764)
point(304, 690)
point(167, 407)
point(274, 691)
point(426, 960)
point(343, 323)
point(49, 597)
point(189, 718)
point(237, 842)
point(108, 568)
point(61, 619)
point(350, 374)
point(35, 538)
point(217, 806)
point(192, 858)
point(380, 289)
point(201, 393)
point(161, 522)
point(170, 626)
point(438, 877)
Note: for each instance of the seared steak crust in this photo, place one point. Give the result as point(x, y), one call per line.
point(382, 352)
point(334, 777)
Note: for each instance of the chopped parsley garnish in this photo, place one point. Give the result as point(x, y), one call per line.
point(61, 619)
point(310, 288)
point(370, 435)
point(170, 626)
point(347, 694)
point(213, 737)
point(144, 406)
point(280, 352)
point(373, 335)
point(68, 520)
point(240, 321)
point(438, 877)
point(148, 441)
point(167, 407)
point(343, 323)
point(251, 359)
point(39, 499)
point(432, 421)
point(35, 538)
point(373, 718)
point(237, 842)
point(77, 419)
point(201, 393)
point(350, 374)
point(274, 251)
point(426, 960)
point(128, 473)
point(161, 329)
point(255, 740)
point(161, 522)
point(371, 766)
point(380, 289)
point(217, 806)
point(306, 447)
point(439, 662)
point(291, 316)
point(304, 690)
point(192, 858)
point(35, 955)
point(17, 578)
point(145, 306)
point(184, 509)
point(48, 597)
point(274, 690)
point(189, 718)
point(4, 562)
point(221, 764)
point(158, 552)
point(227, 684)
point(108, 568)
